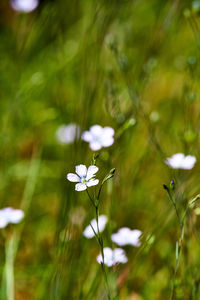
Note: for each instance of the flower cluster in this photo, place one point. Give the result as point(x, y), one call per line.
point(10, 215)
point(180, 161)
point(97, 136)
point(125, 236)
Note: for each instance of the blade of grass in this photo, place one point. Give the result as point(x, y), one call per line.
point(13, 243)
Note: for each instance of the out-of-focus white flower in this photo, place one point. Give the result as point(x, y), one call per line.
point(67, 134)
point(10, 215)
point(99, 137)
point(180, 161)
point(112, 257)
point(126, 236)
point(84, 177)
point(24, 5)
point(90, 229)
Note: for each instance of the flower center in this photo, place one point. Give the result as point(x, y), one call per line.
point(97, 138)
point(83, 179)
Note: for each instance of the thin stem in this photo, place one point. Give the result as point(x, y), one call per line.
point(98, 196)
point(106, 280)
point(102, 253)
point(98, 236)
point(174, 205)
point(91, 200)
point(180, 241)
point(178, 255)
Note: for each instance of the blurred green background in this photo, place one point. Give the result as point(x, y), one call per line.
point(107, 63)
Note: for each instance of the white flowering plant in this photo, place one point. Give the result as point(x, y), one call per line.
point(85, 178)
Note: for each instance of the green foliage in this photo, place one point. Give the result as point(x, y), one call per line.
point(131, 65)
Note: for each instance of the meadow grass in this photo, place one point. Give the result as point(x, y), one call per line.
point(130, 65)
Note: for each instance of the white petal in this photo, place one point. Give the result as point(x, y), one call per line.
point(95, 146)
point(188, 162)
point(175, 161)
point(107, 141)
point(81, 170)
point(24, 5)
point(86, 136)
point(119, 256)
point(67, 134)
point(73, 177)
point(126, 236)
point(120, 238)
point(136, 233)
point(16, 216)
point(116, 238)
point(96, 130)
point(108, 131)
point(180, 161)
point(80, 187)
point(3, 221)
point(10, 215)
point(91, 171)
point(178, 156)
point(112, 257)
point(108, 257)
point(89, 230)
point(92, 182)
point(102, 220)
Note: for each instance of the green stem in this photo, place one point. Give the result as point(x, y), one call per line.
point(102, 253)
point(91, 200)
point(13, 243)
point(174, 205)
point(180, 241)
point(178, 255)
point(9, 270)
point(99, 238)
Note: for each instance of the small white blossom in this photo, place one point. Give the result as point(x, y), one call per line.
point(10, 215)
point(180, 161)
point(67, 134)
point(126, 236)
point(24, 5)
point(99, 137)
point(90, 229)
point(112, 257)
point(84, 177)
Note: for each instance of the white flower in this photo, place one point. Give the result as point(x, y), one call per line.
point(67, 134)
point(24, 5)
point(84, 177)
point(180, 161)
point(126, 236)
point(99, 137)
point(10, 215)
point(89, 230)
point(112, 257)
